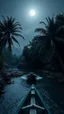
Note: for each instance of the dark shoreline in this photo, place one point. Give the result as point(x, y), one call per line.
point(6, 76)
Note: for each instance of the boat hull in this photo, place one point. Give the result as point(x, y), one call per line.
point(33, 103)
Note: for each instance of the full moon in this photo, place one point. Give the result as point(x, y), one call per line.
point(32, 12)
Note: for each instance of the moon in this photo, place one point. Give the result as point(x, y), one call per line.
point(32, 13)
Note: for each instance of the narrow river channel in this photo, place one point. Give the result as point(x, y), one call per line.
point(52, 94)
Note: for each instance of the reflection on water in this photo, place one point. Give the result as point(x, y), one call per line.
point(10, 100)
point(53, 95)
point(14, 93)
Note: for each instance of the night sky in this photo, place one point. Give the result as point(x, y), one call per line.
point(19, 9)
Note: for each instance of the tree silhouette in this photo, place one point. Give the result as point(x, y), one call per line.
point(9, 30)
point(52, 32)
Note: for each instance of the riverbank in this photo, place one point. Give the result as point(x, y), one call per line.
point(51, 92)
point(6, 75)
point(57, 76)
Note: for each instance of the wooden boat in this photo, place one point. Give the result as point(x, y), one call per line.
point(31, 77)
point(32, 103)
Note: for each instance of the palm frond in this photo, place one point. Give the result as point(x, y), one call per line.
point(41, 22)
point(16, 34)
point(9, 28)
point(15, 40)
point(60, 28)
point(41, 30)
point(38, 46)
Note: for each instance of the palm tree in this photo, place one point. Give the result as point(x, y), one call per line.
point(9, 30)
point(52, 33)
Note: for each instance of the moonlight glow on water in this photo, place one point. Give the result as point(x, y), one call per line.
point(32, 12)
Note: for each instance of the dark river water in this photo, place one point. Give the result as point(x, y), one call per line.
point(52, 94)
